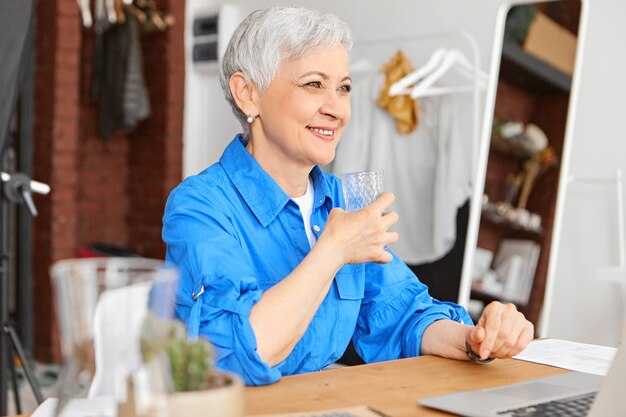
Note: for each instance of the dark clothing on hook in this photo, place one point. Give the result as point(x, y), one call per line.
point(118, 81)
point(136, 102)
point(111, 87)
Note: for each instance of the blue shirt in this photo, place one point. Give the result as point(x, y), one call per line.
point(234, 233)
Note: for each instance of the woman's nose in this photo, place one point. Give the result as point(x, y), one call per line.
point(335, 106)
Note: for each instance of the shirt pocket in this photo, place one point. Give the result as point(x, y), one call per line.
point(350, 282)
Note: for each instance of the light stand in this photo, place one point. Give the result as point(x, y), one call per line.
point(16, 188)
point(16, 80)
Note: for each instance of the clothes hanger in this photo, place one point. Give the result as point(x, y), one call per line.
point(118, 6)
point(448, 61)
point(137, 12)
point(440, 61)
point(110, 11)
point(467, 69)
point(157, 21)
point(453, 58)
point(85, 13)
point(155, 18)
point(401, 86)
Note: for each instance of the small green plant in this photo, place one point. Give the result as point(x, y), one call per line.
point(190, 362)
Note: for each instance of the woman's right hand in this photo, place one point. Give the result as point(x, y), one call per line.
point(362, 236)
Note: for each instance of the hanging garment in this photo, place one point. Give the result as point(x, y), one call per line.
point(402, 108)
point(136, 102)
point(118, 80)
point(428, 169)
point(111, 79)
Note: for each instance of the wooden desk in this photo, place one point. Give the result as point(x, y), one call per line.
point(392, 387)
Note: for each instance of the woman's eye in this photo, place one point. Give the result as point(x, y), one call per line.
point(314, 84)
point(345, 88)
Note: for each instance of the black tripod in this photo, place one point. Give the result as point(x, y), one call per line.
point(16, 80)
point(17, 188)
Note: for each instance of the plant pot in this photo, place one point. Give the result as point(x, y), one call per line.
point(224, 400)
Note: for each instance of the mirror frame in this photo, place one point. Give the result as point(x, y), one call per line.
point(483, 155)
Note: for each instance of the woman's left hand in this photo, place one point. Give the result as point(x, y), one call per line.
point(501, 332)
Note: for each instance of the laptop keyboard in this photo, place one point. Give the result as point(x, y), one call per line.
point(567, 407)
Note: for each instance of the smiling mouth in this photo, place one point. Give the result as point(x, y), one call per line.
point(324, 132)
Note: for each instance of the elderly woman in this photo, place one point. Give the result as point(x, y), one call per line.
point(274, 272)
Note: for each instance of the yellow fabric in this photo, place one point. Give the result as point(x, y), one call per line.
point(402, 108)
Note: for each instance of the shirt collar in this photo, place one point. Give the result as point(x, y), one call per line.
point(322, 188)
point(249, 179)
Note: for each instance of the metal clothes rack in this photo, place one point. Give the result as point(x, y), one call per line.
point(464, 37)
point(475, 203)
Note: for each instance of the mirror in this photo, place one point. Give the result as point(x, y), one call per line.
point(509, 239)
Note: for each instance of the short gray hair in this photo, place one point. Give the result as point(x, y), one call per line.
point(269, 37)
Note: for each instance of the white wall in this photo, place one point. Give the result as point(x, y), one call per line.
point(206, 117)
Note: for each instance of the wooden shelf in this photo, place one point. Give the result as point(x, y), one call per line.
point(495, 218)
point(530, 73)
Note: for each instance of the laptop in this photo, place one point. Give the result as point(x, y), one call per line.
point(586, 395)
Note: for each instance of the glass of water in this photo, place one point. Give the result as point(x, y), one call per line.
point(361, 188)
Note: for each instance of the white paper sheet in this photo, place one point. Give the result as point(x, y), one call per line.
point(582, 357)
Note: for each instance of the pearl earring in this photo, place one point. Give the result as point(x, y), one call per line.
point(250, 118)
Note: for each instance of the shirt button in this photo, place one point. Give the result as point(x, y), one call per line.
point(316, 228)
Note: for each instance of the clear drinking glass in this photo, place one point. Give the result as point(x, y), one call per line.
point(361, 188)
point(102, 304)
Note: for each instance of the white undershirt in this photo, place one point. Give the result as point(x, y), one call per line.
point(305, 203)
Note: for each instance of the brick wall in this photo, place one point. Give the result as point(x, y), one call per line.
point(110, 190)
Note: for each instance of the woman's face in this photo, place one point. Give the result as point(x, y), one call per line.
point(303, 112)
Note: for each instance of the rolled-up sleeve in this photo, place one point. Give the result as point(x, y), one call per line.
point(218, 287)
point(395, 312)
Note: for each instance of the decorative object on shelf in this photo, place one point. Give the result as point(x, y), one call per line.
point(541, 37)
point(513, 273)
point(527, 142)
point(515, 265)
point(551, 43)
point(513, 186)
point(533, 168)
point(517, 139)
point(503, 212)
point(537, 139)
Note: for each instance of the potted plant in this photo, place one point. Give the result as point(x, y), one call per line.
point(192, 385)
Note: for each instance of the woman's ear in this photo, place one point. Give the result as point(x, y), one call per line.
point(243, 92)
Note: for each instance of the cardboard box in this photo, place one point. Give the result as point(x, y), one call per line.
point(551, 43)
